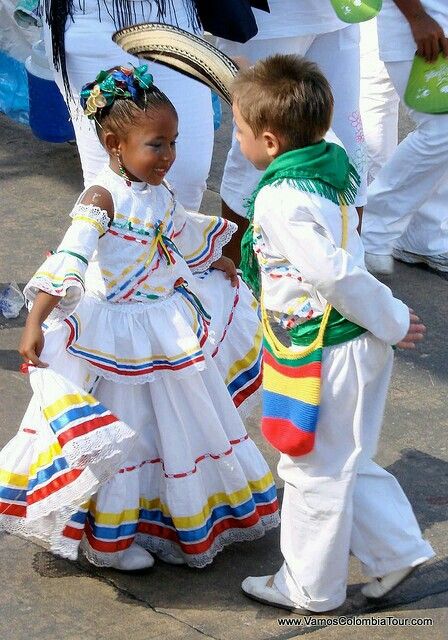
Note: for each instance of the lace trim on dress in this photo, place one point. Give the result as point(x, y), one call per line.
point(93, 215)
point(156, 545)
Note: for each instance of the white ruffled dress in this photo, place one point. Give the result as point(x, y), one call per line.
point(133, 432)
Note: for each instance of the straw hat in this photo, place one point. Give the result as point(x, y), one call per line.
point(182, 51)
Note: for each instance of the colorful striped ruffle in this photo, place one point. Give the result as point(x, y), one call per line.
point(111, 365)
point(197, 535)
point(210, 235)
point(76, 444)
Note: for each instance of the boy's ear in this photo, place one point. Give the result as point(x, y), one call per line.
point(111, 143)
point(272, 144)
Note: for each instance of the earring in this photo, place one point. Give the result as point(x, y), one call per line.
point(122, 171)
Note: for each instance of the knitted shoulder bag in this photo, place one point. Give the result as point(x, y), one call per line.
point(292, 384)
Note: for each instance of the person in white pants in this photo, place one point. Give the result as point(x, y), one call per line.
point(312, 29)
point(406, 215)
point(89, 48)
point(336, 498)
point(378, 102)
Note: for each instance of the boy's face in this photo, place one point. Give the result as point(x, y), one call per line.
point(255, 149)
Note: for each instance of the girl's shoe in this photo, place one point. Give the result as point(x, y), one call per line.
point(379, 587)
point(171, 556)
point(133, 559)
point(262, 589)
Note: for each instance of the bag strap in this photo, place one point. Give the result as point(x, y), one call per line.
point(279, 349)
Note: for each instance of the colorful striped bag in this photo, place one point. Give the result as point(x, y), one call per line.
point(292, 383)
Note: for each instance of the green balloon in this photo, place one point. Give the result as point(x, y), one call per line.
point(427, 88)
point(357, 10)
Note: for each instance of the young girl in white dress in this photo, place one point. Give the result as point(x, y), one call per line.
point(132, 443)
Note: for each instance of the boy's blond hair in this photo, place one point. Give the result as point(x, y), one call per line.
point(285, 94)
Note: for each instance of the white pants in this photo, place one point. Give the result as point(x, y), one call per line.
point(89, 49)
point(378, 102)
point(407, 203)
point(336, 498)
point(337, 55)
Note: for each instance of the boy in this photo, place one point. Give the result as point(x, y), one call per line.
point(336, 498)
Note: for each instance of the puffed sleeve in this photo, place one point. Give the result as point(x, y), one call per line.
point(62, 273)
point(200, 238)
point(351, 289)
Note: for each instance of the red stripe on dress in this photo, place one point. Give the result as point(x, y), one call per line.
point(151, 369)
point(55, 485)
point(73, 533)
point(17, 510)
point(85, 427)
point(248, 391)
point(194, 264)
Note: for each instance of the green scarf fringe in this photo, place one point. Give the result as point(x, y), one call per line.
point(249, 264)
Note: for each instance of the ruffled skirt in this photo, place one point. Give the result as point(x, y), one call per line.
point(166, 463)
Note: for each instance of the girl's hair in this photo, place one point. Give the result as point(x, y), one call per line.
point(119, 96)
point(287, 95)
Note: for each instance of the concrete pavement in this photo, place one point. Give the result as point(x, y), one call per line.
point(44, 597)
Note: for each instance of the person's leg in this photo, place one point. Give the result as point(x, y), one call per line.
point(333, 52)
point(240, 177)
point(378, 103)
point(87, 55)
point(414, 180)
point(397, 543)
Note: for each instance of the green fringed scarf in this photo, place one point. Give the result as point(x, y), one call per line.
point(322, 168)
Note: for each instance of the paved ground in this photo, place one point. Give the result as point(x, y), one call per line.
point(47, 598)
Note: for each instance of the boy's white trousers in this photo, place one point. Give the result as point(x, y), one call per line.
point(336, 498)
point(407, 203)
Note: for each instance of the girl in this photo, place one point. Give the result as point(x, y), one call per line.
point(175, 473)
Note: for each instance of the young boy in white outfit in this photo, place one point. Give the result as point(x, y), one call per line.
point(336, 498)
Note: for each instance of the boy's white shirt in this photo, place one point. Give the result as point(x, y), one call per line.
point(299, 237)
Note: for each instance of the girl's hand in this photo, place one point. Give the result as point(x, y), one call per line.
point(228, 266)
point(415, 332)
point(429, 36)
point(31, 345)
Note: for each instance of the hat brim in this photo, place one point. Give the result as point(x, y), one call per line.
point(182, 51)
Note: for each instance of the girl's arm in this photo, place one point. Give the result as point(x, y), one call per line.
point(428, 34)
point(63, 272)
point(32, 340)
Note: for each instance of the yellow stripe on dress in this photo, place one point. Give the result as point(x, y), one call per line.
point(204, 243)
point(45, 458)
point(250, 357)
point(13, 480)
point(70, 400)
point(184, 522)
point(93, 223)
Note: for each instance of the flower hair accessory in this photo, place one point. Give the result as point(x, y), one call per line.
point(122, 82)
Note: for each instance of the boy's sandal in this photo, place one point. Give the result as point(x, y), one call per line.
point(262, 589)
point(380, 587)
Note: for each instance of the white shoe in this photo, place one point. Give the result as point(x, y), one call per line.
point(379, 587)
point(133, 559)
point(262, 589)
point(379, 264)
point(438, 262)
point(171, 556)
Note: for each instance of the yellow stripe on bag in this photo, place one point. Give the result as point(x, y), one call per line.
point(307, 390)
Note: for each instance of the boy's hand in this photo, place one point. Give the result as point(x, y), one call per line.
point(228, 266)
point(31, 345)
point(415, 332)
